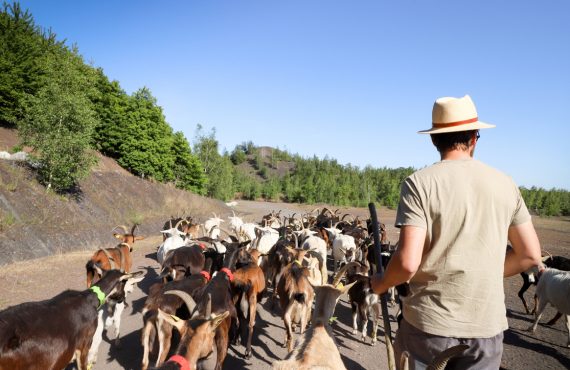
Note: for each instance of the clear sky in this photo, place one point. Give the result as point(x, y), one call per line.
point(354, 80)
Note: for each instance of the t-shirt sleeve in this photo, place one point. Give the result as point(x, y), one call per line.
point(521, 214)
point(410, 209)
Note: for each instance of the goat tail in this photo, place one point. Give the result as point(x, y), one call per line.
point(299, 297)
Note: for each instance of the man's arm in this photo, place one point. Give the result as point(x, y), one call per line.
point(405, 261)
point(526, 249)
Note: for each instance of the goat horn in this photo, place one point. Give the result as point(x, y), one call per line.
point(133, 229)
point(186, 298)
point(125, 231)
point(209, 305)
point(179, 222)
point(296, 240)
point(441, 360)
point(347, 214)
point(549, 254)
point(341, 272)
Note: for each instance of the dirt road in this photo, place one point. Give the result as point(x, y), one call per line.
point(44, 278)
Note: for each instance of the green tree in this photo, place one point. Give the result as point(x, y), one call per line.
point(146, 147)
point(22, 46)
point(188, 171)
point(58, 122)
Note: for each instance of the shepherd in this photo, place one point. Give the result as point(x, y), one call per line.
point(455, 217)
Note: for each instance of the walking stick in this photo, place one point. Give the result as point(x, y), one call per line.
point(383, 301)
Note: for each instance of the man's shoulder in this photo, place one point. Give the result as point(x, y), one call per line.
point(452, 166)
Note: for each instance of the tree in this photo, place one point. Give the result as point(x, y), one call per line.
point(145, 148)
point(188, 171)
point(58, 122)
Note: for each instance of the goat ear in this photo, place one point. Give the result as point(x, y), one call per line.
point(118, 236)
point(216, 320)
point(172, 320)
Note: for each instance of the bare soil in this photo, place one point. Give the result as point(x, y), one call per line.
point(45, 277)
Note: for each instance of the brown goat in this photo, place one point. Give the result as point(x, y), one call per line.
point(196, 334)
point(160, 299)
point(296, 297)
point(247, 288)
point(118, 257)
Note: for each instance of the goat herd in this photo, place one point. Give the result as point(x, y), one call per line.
point(212, 276)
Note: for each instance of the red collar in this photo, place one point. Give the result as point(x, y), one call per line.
point(202, 245)
point(181, 361)
point(205, 274)
point(227, 271)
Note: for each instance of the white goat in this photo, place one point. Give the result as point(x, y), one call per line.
point(314, 243)
point(241, 229)
point(211, 223)
point(554, 288)
point(266, 239)
point(175, 240)
point(343, 247)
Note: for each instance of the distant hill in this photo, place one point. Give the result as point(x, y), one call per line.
point(34, 223)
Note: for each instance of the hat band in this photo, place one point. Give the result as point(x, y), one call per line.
point(452, 124)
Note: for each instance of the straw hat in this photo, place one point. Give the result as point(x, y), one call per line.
point(454, 114)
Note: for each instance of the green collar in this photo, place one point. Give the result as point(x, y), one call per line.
point(298, 263)
point(95, 289)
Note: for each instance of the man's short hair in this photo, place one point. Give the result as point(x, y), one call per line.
point(452, 140)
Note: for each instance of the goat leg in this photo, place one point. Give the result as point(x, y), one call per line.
point(538, 314)
point(554, 319)
point(354, 309)
point(252, 312)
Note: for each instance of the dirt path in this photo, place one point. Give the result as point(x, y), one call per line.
point(44, 278)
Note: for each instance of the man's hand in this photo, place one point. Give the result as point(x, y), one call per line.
point(378, 287)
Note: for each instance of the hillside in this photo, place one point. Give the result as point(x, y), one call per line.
point(34, 223)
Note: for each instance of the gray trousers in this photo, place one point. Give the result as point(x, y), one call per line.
point(482, 354)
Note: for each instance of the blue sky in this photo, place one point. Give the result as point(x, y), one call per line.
point(354, 80)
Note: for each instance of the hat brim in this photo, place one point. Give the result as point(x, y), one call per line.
point(471, 126)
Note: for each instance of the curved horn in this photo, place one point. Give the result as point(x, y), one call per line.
point(186, 298)
point(135, 225)
point(549, 254)
point(179, 222)
point(325, 209)
point(125, 231)
point(296, 240)
point(441, 360)
point(341, 272)
point(347, 214)
point(208, 306)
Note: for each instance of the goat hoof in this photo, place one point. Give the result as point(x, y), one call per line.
point(247, 355)
point(353, 331)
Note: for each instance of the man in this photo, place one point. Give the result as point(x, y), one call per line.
point(455, 218)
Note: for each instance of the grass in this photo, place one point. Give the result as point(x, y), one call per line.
point(7, 221)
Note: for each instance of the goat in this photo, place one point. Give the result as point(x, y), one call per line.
point(175, 239)
point(219, 289)
point(317, 348)
point(110, 314)
point(197, 334)
point(557, 262)
point(153, 324)
point(295, 296)
point(312, 242)
point(343, 247)
point(49, 334)
point(363, 301)
point(118, 257)
point(211, 223)
point(247, 287)
point(266, 238)
point(184, 261)
point(553, 287)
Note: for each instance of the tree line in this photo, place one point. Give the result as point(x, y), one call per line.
point(66, 110)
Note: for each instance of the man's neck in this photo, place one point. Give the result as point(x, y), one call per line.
point(455, 155)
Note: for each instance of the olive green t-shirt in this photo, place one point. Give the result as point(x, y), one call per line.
point(467, 208)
